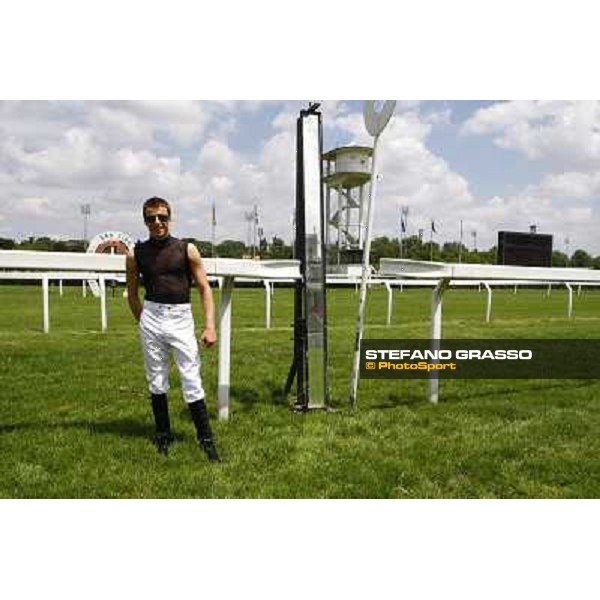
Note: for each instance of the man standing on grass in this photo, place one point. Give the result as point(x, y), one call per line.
point(165, 265)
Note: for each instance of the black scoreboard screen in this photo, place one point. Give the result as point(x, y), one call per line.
point(524, 249)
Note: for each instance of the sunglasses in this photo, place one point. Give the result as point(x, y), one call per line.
point(152, 219)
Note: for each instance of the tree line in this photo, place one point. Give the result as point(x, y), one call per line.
point(413, 247)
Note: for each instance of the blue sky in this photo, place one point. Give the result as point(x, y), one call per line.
point(492, 164)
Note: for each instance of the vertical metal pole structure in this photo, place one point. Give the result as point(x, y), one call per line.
point(431, 244)
point(213, 229)
point(375, 124)
point(460, 243)
point(46, 312)
point(339, 229)
point(60, 287)
point(366, 268)
point(309, 367)
point(361, 228)
point(300, 334)
point(327, 214)
point(224, 349)
point(317, 387)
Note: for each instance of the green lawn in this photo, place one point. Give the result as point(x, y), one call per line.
point(75, 419)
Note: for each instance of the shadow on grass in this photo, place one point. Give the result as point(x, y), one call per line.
point(532, 386)
point(270, 393)
point(395, 400)
point(416, 399)
point(118, 427)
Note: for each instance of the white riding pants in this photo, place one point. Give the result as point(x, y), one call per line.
point(165, 327)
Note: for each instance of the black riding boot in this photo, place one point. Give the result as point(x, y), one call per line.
point(160, 408)
point(203, 430)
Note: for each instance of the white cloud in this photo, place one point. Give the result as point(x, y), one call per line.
point(33, 207)
point(564, 137)
point(117, 126)
point(563, 133)
point(116, 154)
point(216, 157)
point(570, 185)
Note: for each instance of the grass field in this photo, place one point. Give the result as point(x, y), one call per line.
point(75, 419)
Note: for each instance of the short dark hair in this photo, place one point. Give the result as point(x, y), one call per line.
point(155, 202)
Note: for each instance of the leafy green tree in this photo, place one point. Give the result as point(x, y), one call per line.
point(489, 257)
point(33, 243)
point(581, 258)
point(559, 259)
point(450, 251)
point(6, 244)
point(414, 248)
point(473, 257)
point(76, 245)
point(231, 249)
point(58, 246)
point(383, 247)
point(263, 247)
point(278, 249)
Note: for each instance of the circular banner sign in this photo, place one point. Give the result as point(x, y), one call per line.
point(111, 242)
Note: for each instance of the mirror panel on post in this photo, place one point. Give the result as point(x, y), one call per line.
point(315, 306)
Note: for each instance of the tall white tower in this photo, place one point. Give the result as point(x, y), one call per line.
point(347, 171)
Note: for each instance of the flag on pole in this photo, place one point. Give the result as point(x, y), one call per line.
point(433, 227)
point(214, 215)
point(404, 219)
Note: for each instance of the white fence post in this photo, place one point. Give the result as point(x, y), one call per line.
point(436, 334)
point(224, 348)
point(569, 300)
point(103, 318)
point(267, 304)
point(390, 301)
point(46, 310)
point(488, 308)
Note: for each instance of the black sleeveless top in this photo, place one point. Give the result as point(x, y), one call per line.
point(165, 270)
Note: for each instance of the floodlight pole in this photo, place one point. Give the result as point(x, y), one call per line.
point(375, 124)
point(86, 210)
point(213, 228)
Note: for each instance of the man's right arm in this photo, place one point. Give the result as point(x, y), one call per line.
point(133, 286)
